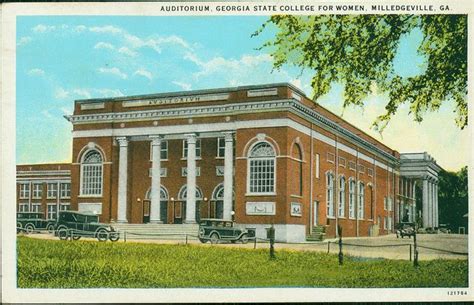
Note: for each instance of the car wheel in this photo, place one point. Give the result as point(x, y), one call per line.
point(114, 237)
point(62, 233)
point(50, 229)
point(29, 228)
point(102, 235)
point(214, 238)
point(76, 237)
point(244, 239)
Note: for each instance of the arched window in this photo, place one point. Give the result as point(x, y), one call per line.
point(361, 201)
point(352, 197)
point(330, 194)
point(91, 174)
point(261, 165)
point(297, 170)
point(163, 194)
point(342, 196)
point(183, 193)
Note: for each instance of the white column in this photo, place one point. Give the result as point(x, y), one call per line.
point(228, 175)
point(155, 180)
point(122, 180)
point(430, 204)
point(425, 204)
point(191, 179)
point(436, 206)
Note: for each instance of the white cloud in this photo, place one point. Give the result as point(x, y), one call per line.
point(46, 114)
point(83, 93)
point(144, 73)
point(114, 71)
point(106, 29)
point(60, 93)
point(36, 72)
point(23, 41)
point(110, 92)
point(127, 51)
point(80, 28)
point(66, 111)
point(104, 45)
point(183, 86)
point(41, 28)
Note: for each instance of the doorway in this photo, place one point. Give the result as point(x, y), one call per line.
point(315, 214)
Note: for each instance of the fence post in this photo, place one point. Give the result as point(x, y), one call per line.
point(329, 245)
point(124, 236)
point(410, 252)
point(271, 233)
point(186, 238)
point(415, 252)
point(255, 242)
point(341, 256)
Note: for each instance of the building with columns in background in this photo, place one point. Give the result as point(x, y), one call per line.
point(258, 155)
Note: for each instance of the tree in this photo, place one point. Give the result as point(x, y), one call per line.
point(358, 51)
point(453, 198)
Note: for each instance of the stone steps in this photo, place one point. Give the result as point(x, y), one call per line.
point(318, 234)
point(158, 231)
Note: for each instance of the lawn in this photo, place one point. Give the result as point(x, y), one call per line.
point(90, 264)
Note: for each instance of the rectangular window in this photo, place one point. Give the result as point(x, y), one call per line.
point(361, 169)
point(91, 179)
point(385, 203)
point(389, 203)
point(184, 171)
point(262, 176)
point(64, 206)
point(389, 223)
point(220, 147)
point(52, 190)
point(219, 171)
point(65, 190)
point(198, 148)
point(317, 166)
point(342, 162)
point(52, 211)
point(352, 198)
point(37, 190)
point(163, 151)
point(330, 195)
point(163, 172)
point(24, 191)
point(385, 223)
point(361, 205)
point(352, 165)
point(330, 157)
point(23, 207)
point(370, 172)
point(36, 207)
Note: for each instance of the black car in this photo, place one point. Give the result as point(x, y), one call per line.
point(72, 224)
point(29, 222)
point(216, 230)
point(406, 229)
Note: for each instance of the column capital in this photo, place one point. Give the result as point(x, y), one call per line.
point(155, 140)
point(228, 135)
point(122, 141)
point(191, 138)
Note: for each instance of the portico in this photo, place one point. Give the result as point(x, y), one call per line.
point(423, 168)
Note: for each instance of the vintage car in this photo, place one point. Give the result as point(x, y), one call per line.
point(405, 229)
point(30, 222)
point(72, 224)
point(216, 230)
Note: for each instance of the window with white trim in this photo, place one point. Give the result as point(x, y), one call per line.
point(91, 174)
point(163, 151)
point(317, 166)
point(352, 197)
point(36, 207)
point(64, 206)
point(220, 147)
point(361, 169)
point(385, 223)
point(389, 223)
point(52, 211)
point(23, 207)
point(261, 163)
point(65, 190)
point(352, 165)
point(184, 171)
point(389, 203)
point(342, 161)
point(385, 203)
point(24, 190)
point(342, 197)
point(370, 172)
point(330, 157)
point(52, 191)
point(37, 190)
point(361, 201)
point(330, 194)
point(198, 148)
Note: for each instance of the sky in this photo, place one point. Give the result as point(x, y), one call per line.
point(63, 58)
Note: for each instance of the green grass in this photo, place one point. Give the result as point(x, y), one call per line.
point(81, 264)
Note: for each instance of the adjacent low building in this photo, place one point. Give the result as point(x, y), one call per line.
point(258, 155)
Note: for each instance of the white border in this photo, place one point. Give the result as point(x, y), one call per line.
point(7, 114)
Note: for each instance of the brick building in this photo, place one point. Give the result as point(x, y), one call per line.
point(260, 155)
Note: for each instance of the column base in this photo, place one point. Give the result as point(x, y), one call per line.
point(122, 221)
point(189, 221)
point(155, 222)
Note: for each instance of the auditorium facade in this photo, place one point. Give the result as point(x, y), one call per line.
point(258, 155)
